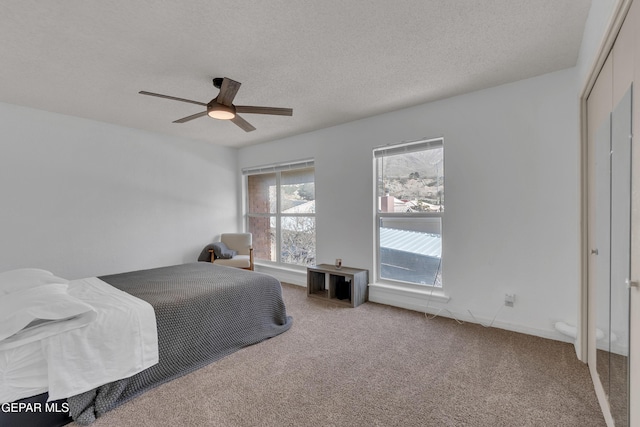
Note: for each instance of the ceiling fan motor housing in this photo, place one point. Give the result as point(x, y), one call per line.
point(220, 111)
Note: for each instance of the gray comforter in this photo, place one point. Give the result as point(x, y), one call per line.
point(203, 312)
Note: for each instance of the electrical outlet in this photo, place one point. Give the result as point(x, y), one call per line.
point(509, 299)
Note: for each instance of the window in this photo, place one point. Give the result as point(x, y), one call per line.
point(281, 210)
point(410, 197)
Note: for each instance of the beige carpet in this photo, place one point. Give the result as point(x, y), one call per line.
point(376, 366)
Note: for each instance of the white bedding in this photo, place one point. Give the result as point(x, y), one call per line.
point(120, 342)
point(31, 314)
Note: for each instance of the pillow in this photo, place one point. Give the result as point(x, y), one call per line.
point(222, 251)
point(23, 278)
point(34, 313)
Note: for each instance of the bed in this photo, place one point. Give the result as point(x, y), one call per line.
point(203, 313)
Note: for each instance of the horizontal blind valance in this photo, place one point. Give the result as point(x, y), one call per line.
point(407, 147)
point(278, 167)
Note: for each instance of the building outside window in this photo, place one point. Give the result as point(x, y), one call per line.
point(410, 199)
point(281, 213)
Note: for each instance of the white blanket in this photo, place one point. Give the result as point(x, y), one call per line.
point(120, 342)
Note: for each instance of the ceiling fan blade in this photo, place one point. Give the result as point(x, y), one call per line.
point(228, 91)
point(264, 110)
point(191, 117)
point(144, 92)
point(245, 125)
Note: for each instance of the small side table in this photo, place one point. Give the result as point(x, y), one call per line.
point(346, 285)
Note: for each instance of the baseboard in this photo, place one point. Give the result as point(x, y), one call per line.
point(420, 301)
point(287, 275)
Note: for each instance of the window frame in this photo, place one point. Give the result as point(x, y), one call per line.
point(394, 149)
point(278, 215)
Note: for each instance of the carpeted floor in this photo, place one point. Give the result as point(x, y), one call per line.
point(376, 365)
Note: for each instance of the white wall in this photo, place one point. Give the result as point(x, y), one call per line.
point(83, 198)
point(512, 210)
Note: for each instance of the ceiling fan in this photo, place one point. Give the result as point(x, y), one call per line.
point(221, 106)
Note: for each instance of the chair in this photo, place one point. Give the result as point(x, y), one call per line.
point(240, 243)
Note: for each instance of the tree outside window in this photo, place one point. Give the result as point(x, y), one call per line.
point(281, 216)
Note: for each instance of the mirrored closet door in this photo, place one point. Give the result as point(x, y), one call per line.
point(620, 259)
point(610, 112)
point(611, 255)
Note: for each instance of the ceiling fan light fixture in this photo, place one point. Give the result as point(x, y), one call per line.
point(221, 107)
point(221, 112)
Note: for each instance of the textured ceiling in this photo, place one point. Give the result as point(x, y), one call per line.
point(332, 61)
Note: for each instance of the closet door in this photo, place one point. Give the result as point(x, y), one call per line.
point(613, 321)
point(620, 259)
point(633, 19)
point(601, 251)
point(610, 244)
point(599, 106)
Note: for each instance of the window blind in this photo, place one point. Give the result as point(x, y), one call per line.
point(278, 167)
point(407, 147)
